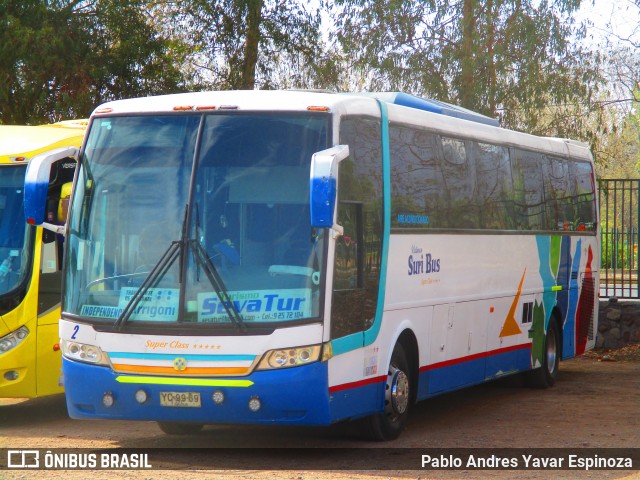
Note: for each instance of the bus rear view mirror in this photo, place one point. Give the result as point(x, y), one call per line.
point(323, 185)
point(36, 185)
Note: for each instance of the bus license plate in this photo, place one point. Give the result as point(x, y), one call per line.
point(180, 399)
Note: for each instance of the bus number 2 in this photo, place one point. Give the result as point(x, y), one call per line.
point(75, 332)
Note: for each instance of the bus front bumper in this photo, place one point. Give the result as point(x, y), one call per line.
point(291, 396)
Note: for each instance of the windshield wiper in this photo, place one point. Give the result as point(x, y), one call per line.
point(173, 252)
point(176, 250)
point(202, 258)
point(160, 269)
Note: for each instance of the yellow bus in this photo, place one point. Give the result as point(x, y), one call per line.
point(30, 260)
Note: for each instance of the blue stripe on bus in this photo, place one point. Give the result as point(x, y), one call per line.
point(548, 281)
point(434, 379)
point(569, 328)
point(360, 339)
point(475, 369)
point(358, 399)
point(170, 356)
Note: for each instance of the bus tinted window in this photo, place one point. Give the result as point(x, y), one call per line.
point(13, 237)
point(459, 174)
point(495, 186)
point(583, 189)
point(557, 193)
point(446, 183)
point(356, 275)
point(529, 190)
point(417, 182)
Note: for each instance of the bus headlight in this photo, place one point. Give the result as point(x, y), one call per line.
point(83, 352)
point(11, 341)
point(290, 357)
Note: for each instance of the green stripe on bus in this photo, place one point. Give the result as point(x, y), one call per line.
point(190, 382)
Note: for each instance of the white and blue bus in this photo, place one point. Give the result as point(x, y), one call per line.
point(305, 258)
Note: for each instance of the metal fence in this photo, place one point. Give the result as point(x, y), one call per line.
point(619, 221)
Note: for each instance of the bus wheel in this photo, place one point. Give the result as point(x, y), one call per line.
point(545, 376)
point(389, 425)
point(175, 428)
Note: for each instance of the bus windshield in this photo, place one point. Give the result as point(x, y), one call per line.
point(13, 230)
point(196, 219)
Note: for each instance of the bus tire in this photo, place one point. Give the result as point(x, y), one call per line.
point(176, 428)
point(545, 376)
point(389, 424)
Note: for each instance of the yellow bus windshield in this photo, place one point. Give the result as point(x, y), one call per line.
point(13, 238)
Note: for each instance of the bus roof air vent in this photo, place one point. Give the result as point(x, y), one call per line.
point(434, 106)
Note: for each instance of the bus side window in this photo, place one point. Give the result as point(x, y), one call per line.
point(353, 295)
point(60, 186)
point(57, 208)
point(583, 191)
point(349, 261)
point(356, 276)
point(52, 206)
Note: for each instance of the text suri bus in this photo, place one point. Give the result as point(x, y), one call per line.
point(305, 258)
point(30, 260)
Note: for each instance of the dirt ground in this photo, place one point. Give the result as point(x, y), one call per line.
point(594, 404)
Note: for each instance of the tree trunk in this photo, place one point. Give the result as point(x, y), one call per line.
point(252, 42)
point(491, 66)
point(467, 63)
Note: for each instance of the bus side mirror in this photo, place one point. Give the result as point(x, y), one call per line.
point(36, 186)
point(323, 188)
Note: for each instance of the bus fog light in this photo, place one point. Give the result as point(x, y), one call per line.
point(11, 375)
point(255, 404)
point(108, 400)
point(217, 397)
point(141, 396)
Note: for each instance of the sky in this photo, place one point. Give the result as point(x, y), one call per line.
point(620, 17)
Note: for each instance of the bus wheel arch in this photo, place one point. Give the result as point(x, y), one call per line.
point(557, 316)
point(400, 391)
point(410, 345)
point(545, 376)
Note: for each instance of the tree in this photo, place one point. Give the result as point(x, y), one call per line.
point(620, 156)
point(61, 58)
point(622, 47)
point(615, 131)
point(244, 44)
point(506, 57)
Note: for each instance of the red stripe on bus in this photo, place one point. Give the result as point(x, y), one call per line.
point(382, 378)
point(360, 383)
point(454, 361)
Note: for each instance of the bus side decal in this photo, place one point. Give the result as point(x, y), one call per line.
point(510, 326)
point(560, 272)
point(586, 307)
point(569, 347)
